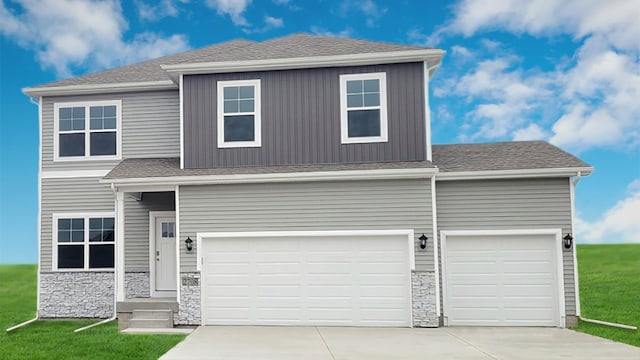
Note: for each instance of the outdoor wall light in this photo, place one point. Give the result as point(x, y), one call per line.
point(568, 241)
point(423, 241)
point(189, 244)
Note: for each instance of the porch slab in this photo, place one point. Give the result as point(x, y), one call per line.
point(129, 305)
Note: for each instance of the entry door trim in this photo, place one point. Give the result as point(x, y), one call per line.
point(515, 232)
point(153, 215)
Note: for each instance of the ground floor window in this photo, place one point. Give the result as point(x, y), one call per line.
point(83, 241)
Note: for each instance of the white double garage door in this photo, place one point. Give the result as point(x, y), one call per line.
point(353, 279)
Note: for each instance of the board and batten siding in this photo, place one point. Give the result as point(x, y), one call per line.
point(337, 205)
point(79, 195)
point(510, 204)
point(150, 127)
point(301, 119)
point(136, 228)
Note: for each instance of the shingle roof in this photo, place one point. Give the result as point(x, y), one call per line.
point(292, 46)
point(170, 167)
point(514, 155)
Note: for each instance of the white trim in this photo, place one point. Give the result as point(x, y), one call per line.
point(436, 259)
point(515, 232)
point(306, 62)
point(181, 94)
point(119, 261)
point(176, 193)
point(200, 236)
point(382, 107)
point(100, 88)
point(511, 174)
point(87, 131)
point(69, 174)
point(257, 111)
point(427, 109)
point(379, 174)
point(153, 216)
point(85, 244)
point(576, 283)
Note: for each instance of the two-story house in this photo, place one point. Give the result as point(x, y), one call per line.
point(293, 182)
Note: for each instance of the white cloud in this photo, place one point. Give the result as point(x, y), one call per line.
point(234, 8)
point(273, 22)
point(368, 8)
point(531, 132)
point(70, 33)
point(594, 93)
point(159, 10)
point(461, 51)
point(619, 224)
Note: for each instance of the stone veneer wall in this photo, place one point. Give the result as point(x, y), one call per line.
point(424, 299)
point(76, 295)
point(189, 308)
point(137, 285)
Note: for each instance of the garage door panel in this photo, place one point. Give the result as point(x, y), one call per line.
point(323, 281)
point(495, 280)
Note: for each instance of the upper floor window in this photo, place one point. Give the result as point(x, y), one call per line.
point(363, 108)
point(89, 130)
point(239, 113)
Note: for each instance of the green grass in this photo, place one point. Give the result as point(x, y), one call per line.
point(53, 339)
point(610, 290)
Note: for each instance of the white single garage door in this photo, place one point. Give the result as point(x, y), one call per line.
point(501, 280)
point(307, 280)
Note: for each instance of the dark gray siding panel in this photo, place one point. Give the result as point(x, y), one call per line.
point(301, 119)
point(136, 228)
point(510, 204)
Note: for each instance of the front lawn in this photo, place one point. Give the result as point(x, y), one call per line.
point(56, 339)
point(610, 289)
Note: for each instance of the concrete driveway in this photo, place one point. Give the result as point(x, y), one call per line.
point(311, 343)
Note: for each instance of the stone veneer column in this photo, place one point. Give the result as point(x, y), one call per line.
point(424, 299)
point(189, 308)
point(137, 285)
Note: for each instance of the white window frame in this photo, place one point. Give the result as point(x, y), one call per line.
point(257, 109)
point(87, 131)
point(85, 244)
point(344, 123)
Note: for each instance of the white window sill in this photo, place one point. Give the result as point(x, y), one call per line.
point(364, 140)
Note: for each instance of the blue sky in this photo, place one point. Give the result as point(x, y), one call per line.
point(566, 71)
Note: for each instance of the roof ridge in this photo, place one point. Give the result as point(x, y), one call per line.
point(249, 43)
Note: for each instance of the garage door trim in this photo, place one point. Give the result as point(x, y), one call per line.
point(201, 236)
point(515, 232)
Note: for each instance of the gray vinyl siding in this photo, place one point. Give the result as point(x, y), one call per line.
point(301, 118)
point(338, 205)
point(150, 128)
point(510, 204)
point(136, 228)
point(69, 195)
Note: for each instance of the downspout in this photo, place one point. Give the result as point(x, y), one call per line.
point(575, 181)
point(115, 290)
point(25, 323)
point(426, 77)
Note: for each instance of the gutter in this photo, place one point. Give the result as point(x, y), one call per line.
point(606, 323)
point(115, 295)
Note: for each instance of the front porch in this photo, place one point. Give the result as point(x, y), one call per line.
point(147, 264)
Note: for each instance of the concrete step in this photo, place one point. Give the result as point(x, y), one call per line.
point(152, 314)
point(146, 304)
point(150, 323)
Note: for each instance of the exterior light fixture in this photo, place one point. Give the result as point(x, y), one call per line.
point(189, 244)
point(423, 241)
point(568, 241)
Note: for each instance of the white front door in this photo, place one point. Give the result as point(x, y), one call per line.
point(165, 254)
